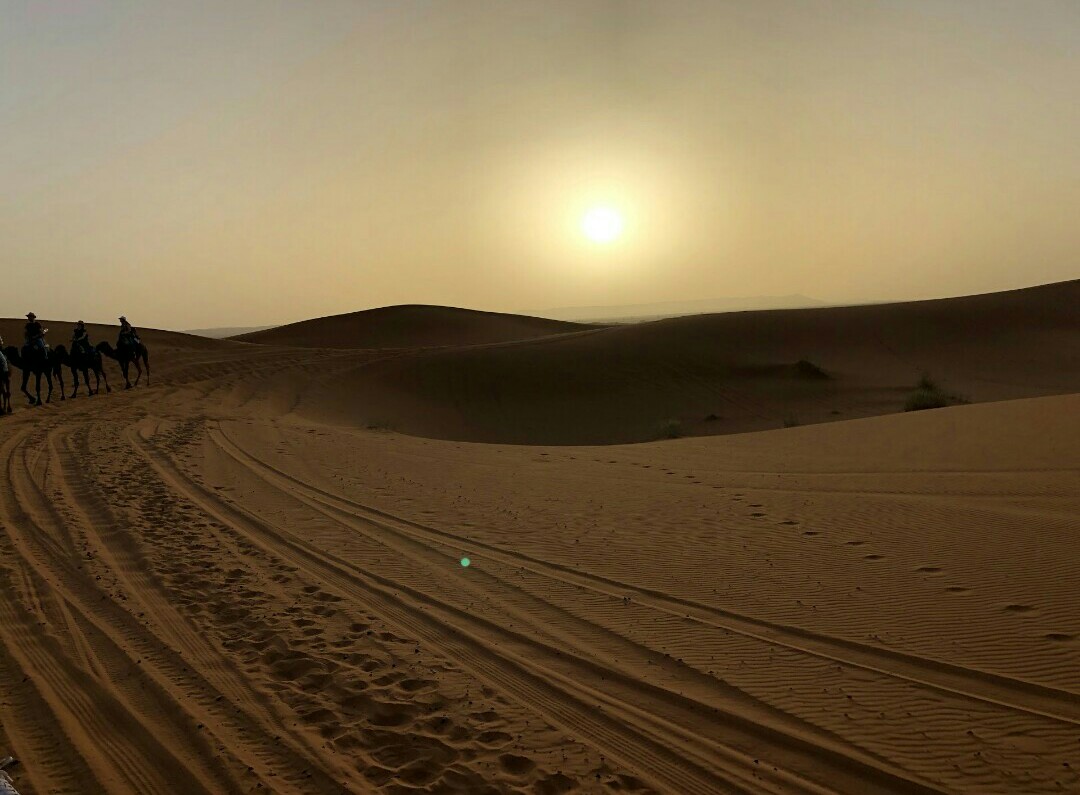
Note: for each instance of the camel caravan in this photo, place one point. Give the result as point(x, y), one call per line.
point(38, 359)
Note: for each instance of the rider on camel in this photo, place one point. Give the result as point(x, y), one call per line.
point(129, 336)
point(80, 339)
point(34, 334)
point(3, 359)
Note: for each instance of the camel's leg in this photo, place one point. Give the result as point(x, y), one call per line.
point(146, 361)
point(25, 381)
point(127, 381)
point(138, 370)
point(75, 385)
point(48, 395)
point(103, 375)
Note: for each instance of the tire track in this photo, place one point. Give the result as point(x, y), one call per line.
point(983, 686)
point(262, 745)
point(551, 679)
point(123, 750)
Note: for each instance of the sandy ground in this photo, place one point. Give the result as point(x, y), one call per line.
point(208, 586)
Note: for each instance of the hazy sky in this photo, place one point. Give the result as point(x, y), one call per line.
point(258, 161)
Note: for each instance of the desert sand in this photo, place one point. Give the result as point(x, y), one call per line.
point(248, 577)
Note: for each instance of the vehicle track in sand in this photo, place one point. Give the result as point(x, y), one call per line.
point(1060, 705)
point(145, 700)
point(109, 646)
point(764, 731)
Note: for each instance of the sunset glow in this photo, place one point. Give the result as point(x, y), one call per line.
point(602, 224)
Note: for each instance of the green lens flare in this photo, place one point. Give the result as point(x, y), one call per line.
point(465, 562)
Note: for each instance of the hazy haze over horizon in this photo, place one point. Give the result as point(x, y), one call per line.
point(199, 164)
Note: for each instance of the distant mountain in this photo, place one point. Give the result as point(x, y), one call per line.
point(222, 333)
point(630, 312)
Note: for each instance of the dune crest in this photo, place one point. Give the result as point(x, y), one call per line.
point(715, 374)
point(414, 326)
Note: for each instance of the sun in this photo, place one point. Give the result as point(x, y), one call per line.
point(602, 224)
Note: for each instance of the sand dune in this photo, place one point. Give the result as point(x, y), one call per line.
point(721, 373)
point(222, 584)
point(409, 327)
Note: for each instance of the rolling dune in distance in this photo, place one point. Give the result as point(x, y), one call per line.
point(710, 374)
point(250, 576)
point(410, 327)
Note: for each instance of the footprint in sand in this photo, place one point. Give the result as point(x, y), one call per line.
point(874, 557)
point(387, 679)
point(1059, 637)
point(415, 686)
point(495, 738)
point(1018, 608)
point(929, 570)
point(555, 784)
point(516, 765)
point(958, 589)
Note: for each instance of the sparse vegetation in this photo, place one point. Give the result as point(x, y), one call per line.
point(928, 394)
point(671, 429)
point(713, 418)
point(791, 421)
point(807, 369)
point(379, 425)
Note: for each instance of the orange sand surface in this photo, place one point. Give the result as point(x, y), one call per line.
point(229, 582)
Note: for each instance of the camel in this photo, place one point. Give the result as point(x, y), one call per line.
point(82, 361)
point(128, 355)
point(40, 363)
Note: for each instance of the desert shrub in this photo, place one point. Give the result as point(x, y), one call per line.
point(929, 395)
point(925, 399)
point(670, 429)
point(791, 421)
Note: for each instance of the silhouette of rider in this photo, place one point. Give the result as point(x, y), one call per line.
point(80, 339)
point(34, 334)
point(129, 336)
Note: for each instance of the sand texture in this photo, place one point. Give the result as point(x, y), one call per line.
point(247, 577)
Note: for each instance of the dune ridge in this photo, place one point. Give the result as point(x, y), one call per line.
point(410, 326)
point(724, 373)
